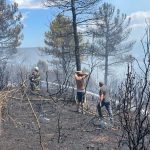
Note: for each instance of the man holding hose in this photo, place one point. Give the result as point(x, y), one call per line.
point(104, 101)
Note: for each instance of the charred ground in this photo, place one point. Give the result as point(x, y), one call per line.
point(59, 127)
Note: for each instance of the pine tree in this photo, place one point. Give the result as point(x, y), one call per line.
point(80, 11)
point(10, 28)
point(112, 31)
point(59, 41)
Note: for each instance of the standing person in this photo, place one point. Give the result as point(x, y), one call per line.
point(35, 79)
point(80, 77)
point(104, 101)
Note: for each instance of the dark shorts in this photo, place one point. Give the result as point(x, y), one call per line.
point(80, 97)
point(105, 103)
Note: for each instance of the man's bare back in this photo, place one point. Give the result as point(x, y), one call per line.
point(79, 77)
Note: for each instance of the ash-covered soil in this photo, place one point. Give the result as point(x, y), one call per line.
point(61, 127)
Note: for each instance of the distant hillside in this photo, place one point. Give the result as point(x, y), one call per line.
point(28, 56)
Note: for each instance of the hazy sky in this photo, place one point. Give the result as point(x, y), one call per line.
point(36, 18)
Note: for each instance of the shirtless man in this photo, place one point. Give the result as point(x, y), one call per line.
point(79, 77)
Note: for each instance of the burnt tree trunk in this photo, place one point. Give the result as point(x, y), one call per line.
point(106, 69)
point(0, 121)
point(76, 37)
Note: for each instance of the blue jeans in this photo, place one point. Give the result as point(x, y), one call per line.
point(108, 108)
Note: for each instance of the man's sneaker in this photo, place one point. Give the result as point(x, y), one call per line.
point(83, 112)
point(111, 122)
point(79, 110)
point(102, 124)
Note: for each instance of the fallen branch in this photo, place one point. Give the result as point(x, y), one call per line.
point(37, 120)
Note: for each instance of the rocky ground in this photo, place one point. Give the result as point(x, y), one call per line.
point(61, 127)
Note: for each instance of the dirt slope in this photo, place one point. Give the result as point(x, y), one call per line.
point(61, 128)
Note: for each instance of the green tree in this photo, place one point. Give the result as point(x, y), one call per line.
point(10, 36)
point(112, 31)
point(10, 28)
point(59, 41)
point(80, 11)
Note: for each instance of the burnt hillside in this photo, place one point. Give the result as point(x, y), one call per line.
point(57, 127)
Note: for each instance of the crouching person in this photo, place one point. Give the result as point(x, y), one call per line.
point(35, 80)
